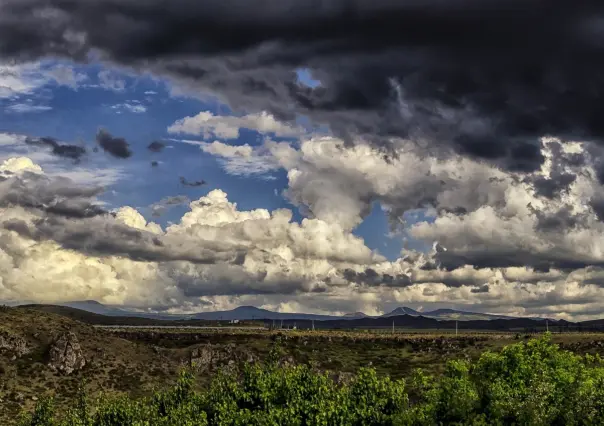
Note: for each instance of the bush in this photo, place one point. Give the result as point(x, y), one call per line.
point(532, 383)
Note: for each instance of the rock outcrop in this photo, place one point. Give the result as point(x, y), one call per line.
point(65, 354)
point(13, 345)
point(210, 357)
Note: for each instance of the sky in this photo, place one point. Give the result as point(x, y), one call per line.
point(344, 156)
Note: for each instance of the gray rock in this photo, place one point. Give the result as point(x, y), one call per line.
point(15, 345)
point(211, 357)
point(65, 355)
point(201, 358)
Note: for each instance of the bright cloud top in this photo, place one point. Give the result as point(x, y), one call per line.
point(209, 125)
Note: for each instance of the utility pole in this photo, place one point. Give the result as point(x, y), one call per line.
point(546, 326)
point(456, 318)
point(313, 325)
point(392, 326)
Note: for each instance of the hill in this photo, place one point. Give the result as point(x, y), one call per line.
point(48, 353)
point(253, 313)
point(446, 314)
point(271, 319)
point(243, 313)
point(402, 311)
point(108, 320)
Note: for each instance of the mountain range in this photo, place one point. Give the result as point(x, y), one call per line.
point(254, 313)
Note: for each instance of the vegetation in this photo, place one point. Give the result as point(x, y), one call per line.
point(528, 383)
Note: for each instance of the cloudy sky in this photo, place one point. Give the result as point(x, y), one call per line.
point(325, 156)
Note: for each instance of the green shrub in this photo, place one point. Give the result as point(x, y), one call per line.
point(528, 383)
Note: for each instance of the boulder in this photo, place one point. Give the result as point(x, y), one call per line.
point(211, 357)
point(13, 345)
point(201, 358)
point(65, 354)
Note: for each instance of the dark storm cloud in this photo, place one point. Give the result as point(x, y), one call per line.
point(503, 258)
point(562, 220)
point(159, 208)
point(193, 183)
point(485, 77)
point(70, 215)
point(597, 205)
point(560, 178)
point(372, 278)
point(105, 236)
point(232, 280)
point(156, 146)
point(73, 152)
point(117, 147)
point(55, 196)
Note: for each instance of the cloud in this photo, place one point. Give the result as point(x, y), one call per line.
point(228, 127)
point(483, 216)
point(66, 76)
point(243, 160)
point(218, 257)
point(59, 210)
point(194, 183)
point(532, 64)
point(93, 172)
point(25, 78)
point(115, 146)
point(74, 152)
point(156, 146)
point(110, 80)
point(18, 79)
point(159, 208)
point(473, 125)
point(135, 108)
point(23, 108)
point(195, 255)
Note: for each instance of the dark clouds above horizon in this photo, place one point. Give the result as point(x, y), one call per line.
point(485, 78)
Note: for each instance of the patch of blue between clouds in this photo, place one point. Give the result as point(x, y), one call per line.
point(305, 77)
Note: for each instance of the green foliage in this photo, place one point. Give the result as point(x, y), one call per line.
point(532, 383)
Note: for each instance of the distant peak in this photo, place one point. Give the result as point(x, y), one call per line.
point(356, 314)
point(247, 308)
point(403, 310)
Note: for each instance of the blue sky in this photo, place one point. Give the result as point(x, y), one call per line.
point(140, 109)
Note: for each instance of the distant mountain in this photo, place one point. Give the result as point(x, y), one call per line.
point(253, 313)
point(113, 311)
point(402, 311)
point(243, 313)
point(356, 315)
point(113, 320)
point(94, 307)
point(413, 322)
point(445, 314)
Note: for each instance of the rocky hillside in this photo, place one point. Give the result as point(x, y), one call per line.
point(48, 354)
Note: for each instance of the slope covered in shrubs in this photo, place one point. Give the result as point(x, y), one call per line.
point(532, 383)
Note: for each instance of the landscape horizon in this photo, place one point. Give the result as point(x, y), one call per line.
point(253, 312)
